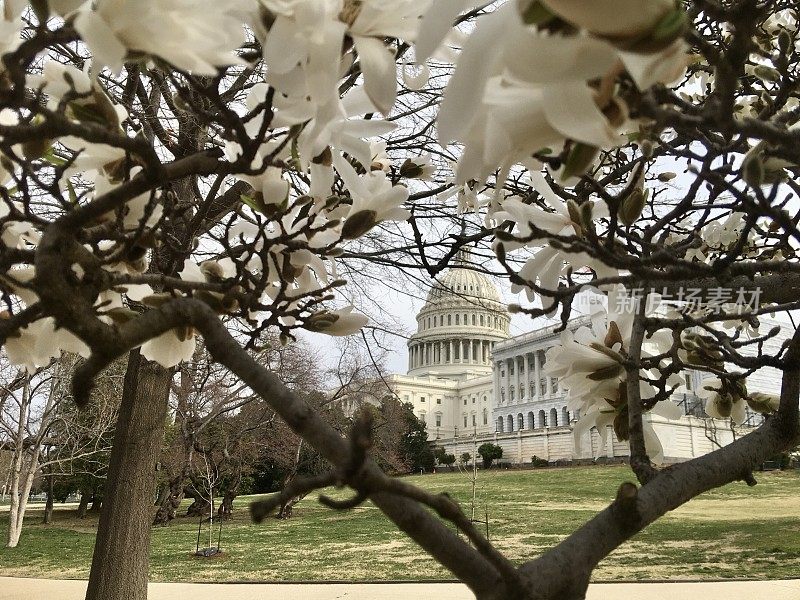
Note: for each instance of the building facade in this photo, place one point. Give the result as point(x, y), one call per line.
point(471, 383)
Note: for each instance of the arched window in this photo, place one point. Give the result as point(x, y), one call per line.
point(473, 318)
point(456, 319)
point(553, 417)
point(449, 319)
point(510, 421)
point(500, 424)
point(531, 421)
point(542, 419)
point(520, 421)
point(481, 320)
point(564, 416)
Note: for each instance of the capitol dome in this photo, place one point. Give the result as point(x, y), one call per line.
point(461, 321)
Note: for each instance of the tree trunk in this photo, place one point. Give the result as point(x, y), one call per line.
point(83, 505)
point(48, 507)
point(122, 549)
point(97, 503)
point(22, 474)
point(170, 500)
point(226, 506)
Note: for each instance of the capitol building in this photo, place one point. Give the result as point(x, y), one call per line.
point(471, 382)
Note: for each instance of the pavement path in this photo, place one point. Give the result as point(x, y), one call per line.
point(14, 588)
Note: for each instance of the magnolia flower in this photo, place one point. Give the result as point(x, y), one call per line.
point(602, 415)
point(140, 211)
point(721, 235)
point(724, 400)
point(171, 347)
point(309, 34)
point(58, 79)
point(35, 345)
point(337, 322)
point(617, 18)
point(374, 197)
point(193, 35)
point(518, 90)
point(380, 161)
point(549, 263)
point(10, 30)
point(420, 167)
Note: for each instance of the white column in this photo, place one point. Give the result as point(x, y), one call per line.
point(517, 377)
point(450, 356)
point(526, 376)
point(496, 378)
point(549, 385)
point(537, 373)
point(507, 379)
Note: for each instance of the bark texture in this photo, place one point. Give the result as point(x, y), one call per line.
point(122, 550)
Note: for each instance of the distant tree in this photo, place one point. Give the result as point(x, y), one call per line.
point(448, 460)
point(465, 458)
point(414, 444)
point(489, 452)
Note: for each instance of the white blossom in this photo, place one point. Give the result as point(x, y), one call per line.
point(193, 35)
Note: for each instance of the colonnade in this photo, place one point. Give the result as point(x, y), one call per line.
point(521, 378)
point(450, 352)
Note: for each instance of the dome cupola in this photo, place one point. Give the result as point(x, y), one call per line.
point(463, 317)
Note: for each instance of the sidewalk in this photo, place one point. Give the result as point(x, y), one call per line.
point(12, 588)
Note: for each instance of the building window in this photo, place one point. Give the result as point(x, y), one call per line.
point(422, 398)
point(473, 399)
point(449, 319)
point(438, 401)
point(405, 398)
point(502, 394)
point(422, 417)
point(522, 392)
point(554, 382)
point(511, 393)
point(485, 417)
point(438, 420)
point(465, 401)
point(543, 386)
point(473, 319)
point(465, 420)
point(688, 379)
point(511, 368)
point(456, 319)
point(481, 320)
point(484, 398)
point(474, 421)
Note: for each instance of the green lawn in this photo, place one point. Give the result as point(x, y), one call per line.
point(733, 532)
